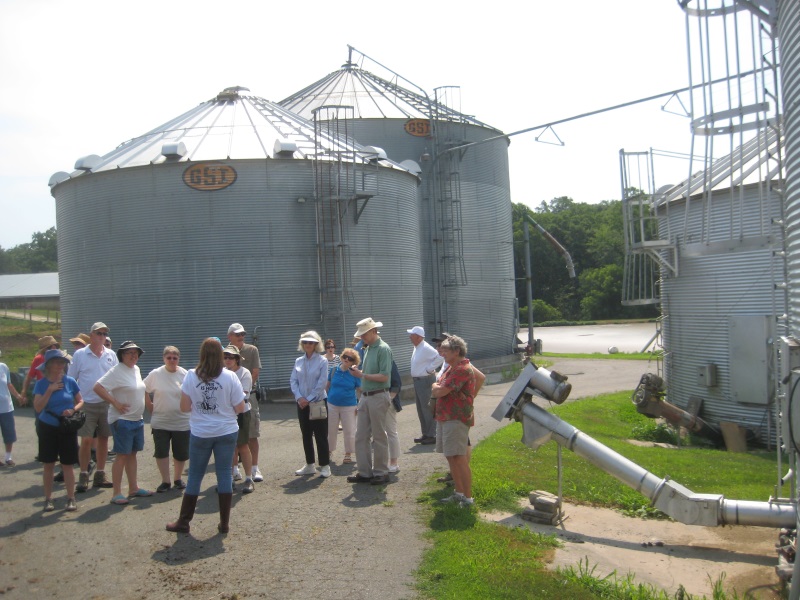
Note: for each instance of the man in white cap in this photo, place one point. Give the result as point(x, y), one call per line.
point(424, 362)
point(88, 365)
point(375, 375)
point(251, 359)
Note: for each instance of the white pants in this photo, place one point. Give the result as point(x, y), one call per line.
point(391, 434)
point(348, 416)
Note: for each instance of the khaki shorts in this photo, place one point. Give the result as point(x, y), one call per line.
point(96, 424)
point(244, 428)
point(255, 418)
point(452, 437)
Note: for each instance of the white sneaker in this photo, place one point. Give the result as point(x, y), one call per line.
point(393, 468)
point(257, 476)
point(325, 471)
point(466, 502)
point(236, 475)
point(457, 497)
point(309, 469)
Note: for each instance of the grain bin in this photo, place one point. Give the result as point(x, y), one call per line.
point(217, 217)
point(464, 229)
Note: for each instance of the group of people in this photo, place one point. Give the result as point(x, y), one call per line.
point(360, 388)
point(208, 410)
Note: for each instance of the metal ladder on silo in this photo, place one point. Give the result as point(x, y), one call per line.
point(648, 257)
point(448, 134)
point(334, 188)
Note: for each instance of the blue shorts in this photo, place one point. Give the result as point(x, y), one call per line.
point(128, 436)
point(7, 428)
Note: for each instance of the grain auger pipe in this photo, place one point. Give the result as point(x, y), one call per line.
point(670, 497)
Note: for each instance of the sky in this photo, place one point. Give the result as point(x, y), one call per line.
point(80, 79)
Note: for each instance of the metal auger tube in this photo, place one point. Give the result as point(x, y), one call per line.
point(671, 498)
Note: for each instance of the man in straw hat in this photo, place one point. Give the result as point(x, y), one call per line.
point(89, 364)
point(375, 375)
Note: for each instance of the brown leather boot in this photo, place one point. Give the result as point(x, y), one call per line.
point(224, 512)
point(187, 513)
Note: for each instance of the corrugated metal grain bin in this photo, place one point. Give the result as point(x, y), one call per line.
point(206, 221)
point(464, 230)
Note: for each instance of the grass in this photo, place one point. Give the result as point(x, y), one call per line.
point(18, 340)
point(471, 558)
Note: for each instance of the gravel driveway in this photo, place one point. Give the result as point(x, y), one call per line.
point(295, 537)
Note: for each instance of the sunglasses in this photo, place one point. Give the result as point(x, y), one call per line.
point(330, 347)
point(350, 358)
point(239, 334)
point(314, 343)
point(230, 357)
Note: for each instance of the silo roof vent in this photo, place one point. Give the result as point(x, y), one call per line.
point(87, 163)
point(173, 149)
point(231, 93)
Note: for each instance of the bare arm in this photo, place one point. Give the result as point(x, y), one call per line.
point(104, 394)
point(186, 403)
point(480, 378)
point(14, 394)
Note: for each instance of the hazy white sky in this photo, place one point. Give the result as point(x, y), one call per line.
point(80, 78)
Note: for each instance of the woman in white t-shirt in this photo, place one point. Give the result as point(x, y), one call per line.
point(122, 387)
point(167, 423)
point(213, 396)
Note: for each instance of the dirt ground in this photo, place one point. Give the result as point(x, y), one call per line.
point(300, 537)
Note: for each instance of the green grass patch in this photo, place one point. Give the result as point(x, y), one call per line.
point(471, 558)
point(474, 559)
point(18, 340)
point(505, 470)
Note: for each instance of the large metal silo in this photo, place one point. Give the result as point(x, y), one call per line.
point(789, 36)
point(464, 230)
point(214, 218)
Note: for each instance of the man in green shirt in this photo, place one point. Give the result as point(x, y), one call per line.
point(375, 375)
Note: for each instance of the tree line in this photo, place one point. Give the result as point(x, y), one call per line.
point(592, 233)
point(38, 256)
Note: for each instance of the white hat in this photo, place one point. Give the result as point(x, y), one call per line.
point(364, 325)
point(236, 328)
point(416, 330)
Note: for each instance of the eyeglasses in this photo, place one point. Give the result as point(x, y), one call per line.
point(350, 358)
point(103, 333)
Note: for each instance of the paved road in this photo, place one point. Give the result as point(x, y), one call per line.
point(295, 537)
point(627, 337)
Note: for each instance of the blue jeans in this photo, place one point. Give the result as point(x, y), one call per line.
point(200, 450)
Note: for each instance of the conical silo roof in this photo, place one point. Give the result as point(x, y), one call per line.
point(372, 97)
point(229, 126)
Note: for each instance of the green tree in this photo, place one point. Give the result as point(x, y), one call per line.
point(38, 256)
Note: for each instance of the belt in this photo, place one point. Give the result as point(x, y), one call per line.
point(373, 392)
point(424, 377)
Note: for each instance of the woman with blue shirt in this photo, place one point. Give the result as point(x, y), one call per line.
point(308, 381)
point(342, 403)
point(56, 395)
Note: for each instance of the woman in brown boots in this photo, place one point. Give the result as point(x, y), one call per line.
point(213, 396)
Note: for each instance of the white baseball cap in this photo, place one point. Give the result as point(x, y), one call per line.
point(416, 330)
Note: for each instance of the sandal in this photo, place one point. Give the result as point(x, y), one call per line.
point(120, 500)
point(347, 460)
point(140, 493)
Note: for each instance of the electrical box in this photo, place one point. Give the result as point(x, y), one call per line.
point(707, 375)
